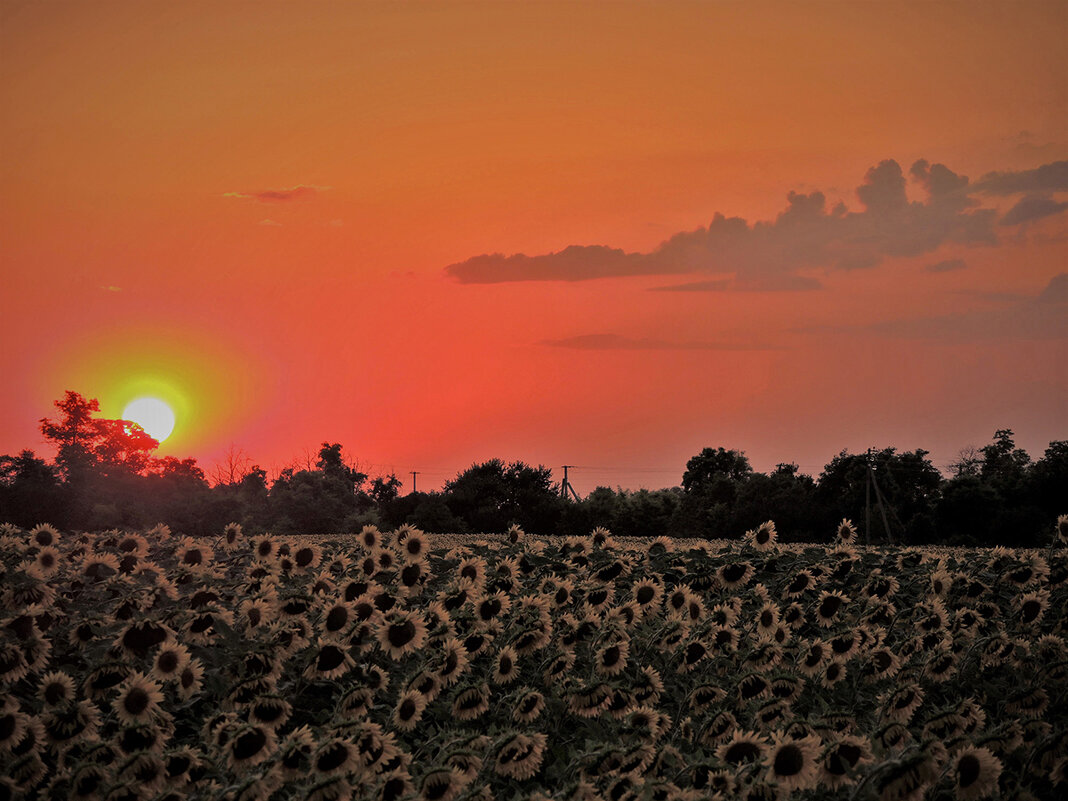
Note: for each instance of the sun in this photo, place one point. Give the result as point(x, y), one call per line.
point(153, 415)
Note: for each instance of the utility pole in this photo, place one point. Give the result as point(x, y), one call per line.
point(414, 474)
point(872, 483)
point(565, 485)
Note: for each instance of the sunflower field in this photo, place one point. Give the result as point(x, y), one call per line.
point(403, 665)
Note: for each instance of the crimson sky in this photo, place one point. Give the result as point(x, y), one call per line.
point(603, 234)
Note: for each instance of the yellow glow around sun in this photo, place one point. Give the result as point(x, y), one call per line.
point(153, 415)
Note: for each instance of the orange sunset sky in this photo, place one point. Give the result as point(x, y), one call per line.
point(600, 234)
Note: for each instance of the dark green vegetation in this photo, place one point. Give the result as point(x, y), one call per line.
point(104, 475)
point(394, 666)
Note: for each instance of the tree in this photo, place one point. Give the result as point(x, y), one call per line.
point(909, 483)
point(87, 445)
point(234, 465)
point(710, 467)
point(30, 492)
point(491, 496)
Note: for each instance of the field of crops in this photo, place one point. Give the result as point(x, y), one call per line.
point(400, 665)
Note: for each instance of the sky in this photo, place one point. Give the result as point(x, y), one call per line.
point(598, 234)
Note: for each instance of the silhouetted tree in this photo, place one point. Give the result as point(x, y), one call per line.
point(910, 486)
point(30, 492)
point(490, 497)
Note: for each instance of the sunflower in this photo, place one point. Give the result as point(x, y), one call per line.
point(841, 759)
point(269, 710)
point(70, 722)
point(443, 784)
point(907, 779)
point(647, 594)
point(1032, 607)
point(395, 785)
point(611, 659)
point(529, 707)
point(471, 702)
point(647, 723)
point(370, 538)
point(846, 533)
point(169, 660)
point(401, 633)
point(46, 562)
point(975, 773)
point(138, 700)
point(98, 566)
point(195, 556)
point(330, 661)
point(307, 558)
point(520, 756)
point(452, 662)
point(492, 607)
point(249, 745)
point(793, 764)
point(506, 666)
point(44, 535)
point(743, 747)
point(189, 679)
point(56, 688)
point(831, 602)
point(763, 537)
point(335, 756)
point(409, 710)
point(734, 575)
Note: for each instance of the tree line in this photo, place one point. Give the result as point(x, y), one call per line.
point(105, 475)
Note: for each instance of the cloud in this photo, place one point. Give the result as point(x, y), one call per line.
point(772, 255)
point(946, 266)
point(618, 342)
point(300, 192)
point(269, 224)
point(110, 288)
point(1031, 208)
point(1041, 317)
point(781, 283)
point(1052, 177)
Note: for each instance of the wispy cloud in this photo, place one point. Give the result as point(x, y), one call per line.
point(946, 266)
point(1036, 317)
point(619, 342)
point(300, 192)
point(1052, 177)
point(776, 255)
point(1031, 208)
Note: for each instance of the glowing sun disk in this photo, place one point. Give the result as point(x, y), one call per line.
point(153, 415)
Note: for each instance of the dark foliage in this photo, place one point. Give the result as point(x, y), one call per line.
point(105, 475)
